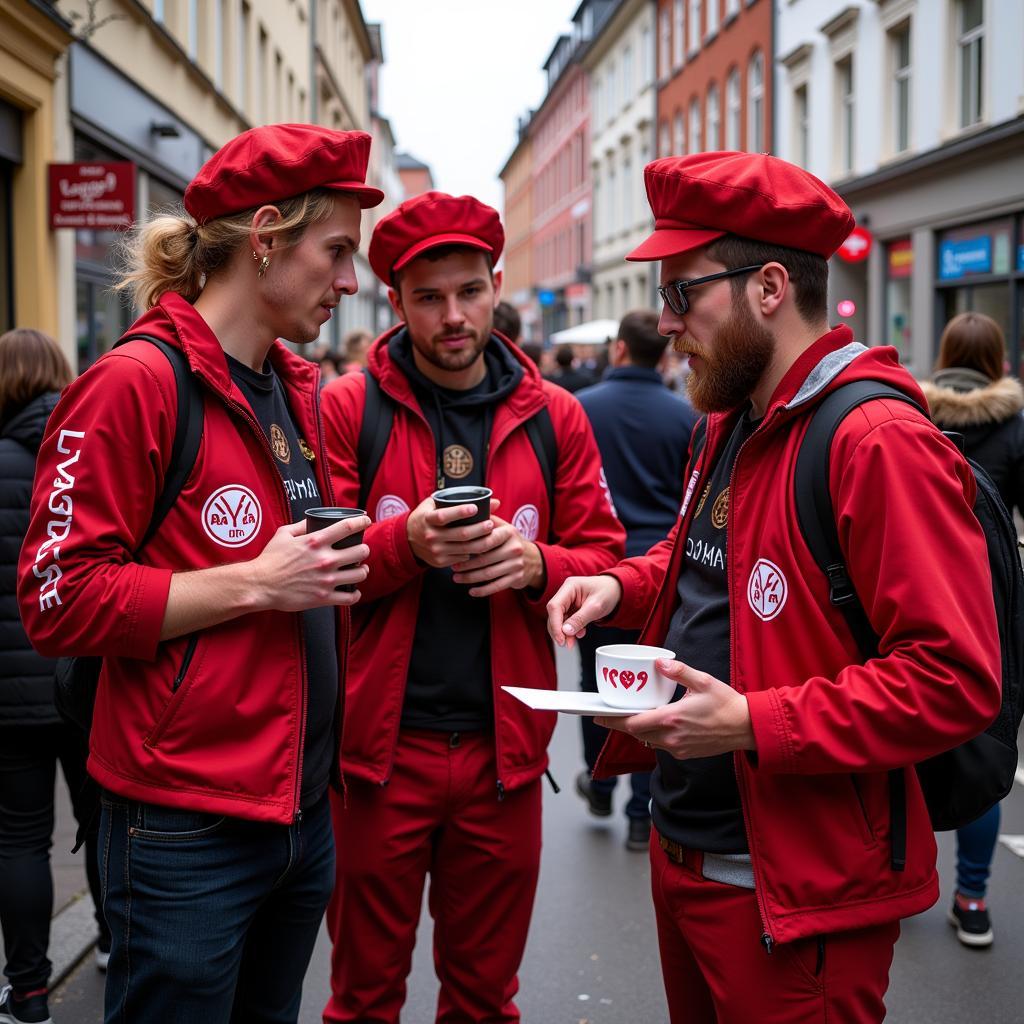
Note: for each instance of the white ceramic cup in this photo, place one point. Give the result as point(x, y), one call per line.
point(627, 676)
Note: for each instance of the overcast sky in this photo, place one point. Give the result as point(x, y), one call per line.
point(456, 75)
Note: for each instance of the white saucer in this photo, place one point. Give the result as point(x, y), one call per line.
point(570, 702)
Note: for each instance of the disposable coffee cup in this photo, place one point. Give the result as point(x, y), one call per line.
point(628, 678)
point(450, 497)
point(319, 518)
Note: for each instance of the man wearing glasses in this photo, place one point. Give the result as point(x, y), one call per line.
point(777, 886)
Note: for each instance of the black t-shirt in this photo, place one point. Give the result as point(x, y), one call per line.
point(449, 686)
point(697, 802)
point(266, 395)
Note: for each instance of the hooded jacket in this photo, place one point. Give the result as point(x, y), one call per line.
point(26, 678)
point(214, 721)
point(829, 727)
point(989, 415)
point(579, 536)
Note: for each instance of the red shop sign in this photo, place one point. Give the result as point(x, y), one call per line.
point(857, 246)
point(92, 195)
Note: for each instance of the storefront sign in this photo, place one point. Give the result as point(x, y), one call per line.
point(968, 256)
point(92, 195)
point(546, 297)
point(1020, 257)
point(901, 258)
point(856, 248)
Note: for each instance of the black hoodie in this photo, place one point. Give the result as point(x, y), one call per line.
point(449, 683)
point(26, 679)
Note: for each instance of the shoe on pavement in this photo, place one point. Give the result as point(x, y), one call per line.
point(639, 835)
point(600, 804)
point(970, 918)
point(33, 1009)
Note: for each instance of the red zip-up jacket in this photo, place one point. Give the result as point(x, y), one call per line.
point(214, 721)
point(828, 726)
point(589, 538)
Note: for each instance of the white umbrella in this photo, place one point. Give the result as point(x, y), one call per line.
point(594, 332)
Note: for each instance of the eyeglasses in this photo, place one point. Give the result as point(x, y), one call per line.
point(673, 294)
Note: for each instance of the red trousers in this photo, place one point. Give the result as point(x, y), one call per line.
point(438, 815)
point(717, 972)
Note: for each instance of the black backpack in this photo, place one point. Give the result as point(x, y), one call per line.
point(76, 679)
point(375, 430)
point(960, 784)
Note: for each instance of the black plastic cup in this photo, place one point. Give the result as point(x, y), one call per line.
point(318, 518)
point(450, 497)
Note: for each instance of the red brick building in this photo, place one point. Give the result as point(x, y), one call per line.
point(714, 60)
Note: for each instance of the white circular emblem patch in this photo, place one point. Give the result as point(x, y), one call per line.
point(232, 515)
point(767, 590)
point(527, 521)
point(389, 506)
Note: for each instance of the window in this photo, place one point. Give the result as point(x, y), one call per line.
point(755, 103)
point(678, 38)
point(844, 93)
point(665, 139)
point(242, 85)
point(732, 8)
point(711, 28)
point(645, 56)
point(158, 10)
point(732, 110)
point(628, 86)
point(970, 42)
point(899, 272)
point(261, 77)
point(801, 126)
point(193, 30)
point(714, 117)
point(899, 42)
point(694, 40)
point(664, 40)
point(680, 140)
point(613, 224)
point(695, 146)
point(218, 43)
point(627, 192)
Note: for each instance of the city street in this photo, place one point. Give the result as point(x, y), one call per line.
point(592, 955)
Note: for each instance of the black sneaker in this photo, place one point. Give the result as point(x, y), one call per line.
point(970, 918)
point(33, 1009)
point(639, 836)
point(600, 804)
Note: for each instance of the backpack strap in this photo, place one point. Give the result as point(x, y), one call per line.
point(541, 432)
point(374, 432)
point(188, 431)
point(816, 515)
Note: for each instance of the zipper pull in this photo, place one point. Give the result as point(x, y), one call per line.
point(501, 790)
point(768, 942)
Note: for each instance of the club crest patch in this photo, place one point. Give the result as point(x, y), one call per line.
point(279, 444)
point(720, 510)
point(390, 506)
point(527, 521)
point(767, 590)
point(458, 461)
point(703, 498)
point(232, 516)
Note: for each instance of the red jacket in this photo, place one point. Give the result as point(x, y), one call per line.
point(829, 727)
point(589, 539)
point(228, 738)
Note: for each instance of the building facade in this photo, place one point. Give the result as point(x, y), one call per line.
point(415, 175)
point(517, 287)
point(623, 112)
point(912, 111)
point(714, 61)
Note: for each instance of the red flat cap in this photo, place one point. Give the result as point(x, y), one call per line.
point(696, 199)
point(429, 220)
point(278, 161)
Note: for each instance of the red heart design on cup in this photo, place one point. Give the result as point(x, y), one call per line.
point(605, 671)
point(627, 678)
point(612, 673)
point(642, 677)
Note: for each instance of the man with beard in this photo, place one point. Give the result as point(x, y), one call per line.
point(779, 868)
point(443, 767)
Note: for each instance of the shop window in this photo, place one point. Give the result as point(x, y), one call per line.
point(899, 263)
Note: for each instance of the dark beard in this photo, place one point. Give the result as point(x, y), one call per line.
point(739, 355)
point(453, 361)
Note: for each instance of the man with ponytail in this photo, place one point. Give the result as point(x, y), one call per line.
point(223, 635)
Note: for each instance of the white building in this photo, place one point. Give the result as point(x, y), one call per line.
point(913, 110)
point(623, 112)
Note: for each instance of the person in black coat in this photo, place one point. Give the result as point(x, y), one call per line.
point(32, 736)
point(643, 433)
point(969, 394)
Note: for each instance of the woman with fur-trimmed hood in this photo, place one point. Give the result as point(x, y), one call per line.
point(970, 394)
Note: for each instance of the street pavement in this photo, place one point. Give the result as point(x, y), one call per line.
point(592, 955)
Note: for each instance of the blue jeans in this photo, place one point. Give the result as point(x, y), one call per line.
point(975, 846)
point(639, 804)
point(212, 919)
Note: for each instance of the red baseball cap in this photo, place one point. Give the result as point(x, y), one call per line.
point(277, 161)
point(696, 199)
point(429, 220)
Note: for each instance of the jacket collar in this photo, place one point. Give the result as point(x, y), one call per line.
point(641, 373)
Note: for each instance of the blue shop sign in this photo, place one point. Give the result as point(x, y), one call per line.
point(546, 297)
point(968, 256)
point(1020, 257)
